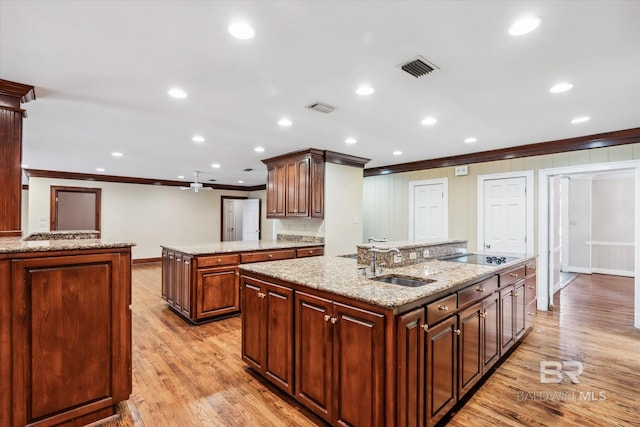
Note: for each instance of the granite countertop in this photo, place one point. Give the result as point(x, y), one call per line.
point(340, 276)
point(9, 245)
point(407, 244)
point(238, 246)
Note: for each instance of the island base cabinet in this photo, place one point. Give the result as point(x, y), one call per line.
point(339, 361)
point(267, 331)
point(217, 292)
point(410, 369)
point(70, 338)
point(471, 343)
point(441, 369)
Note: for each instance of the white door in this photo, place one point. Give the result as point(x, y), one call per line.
point(251, 219)
point(232, 220)
point(505, 214)
point(429, 216)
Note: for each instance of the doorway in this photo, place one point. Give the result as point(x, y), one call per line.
point(240, 219)
point(75, 208)
point(428, 210)
point(588, 244)
point(505, 212)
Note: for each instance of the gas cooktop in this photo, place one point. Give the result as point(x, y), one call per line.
point(480, 259)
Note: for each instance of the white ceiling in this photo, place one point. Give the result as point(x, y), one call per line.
point(102, 70)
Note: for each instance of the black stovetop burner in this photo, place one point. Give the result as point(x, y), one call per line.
point(480, 259)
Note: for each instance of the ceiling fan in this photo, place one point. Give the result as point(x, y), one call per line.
point(196, 185)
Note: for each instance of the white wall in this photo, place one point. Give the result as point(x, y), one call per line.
point(148, 215)
point(342, 209)
point(25, 212)
point(579, 233)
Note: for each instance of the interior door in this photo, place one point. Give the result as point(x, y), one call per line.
point(505, 220)
point(251, 219)
point(230, 220)
point(75, 208)
point(428, 213)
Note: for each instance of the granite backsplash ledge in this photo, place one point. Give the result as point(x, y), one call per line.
point(300, 239)
point(412, 252)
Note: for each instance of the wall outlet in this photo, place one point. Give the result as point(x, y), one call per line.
point(426, 253)
point(397, 258)
point(413, 255)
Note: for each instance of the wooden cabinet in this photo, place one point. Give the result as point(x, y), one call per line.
point(217, 292)
point(471, 345)
point(267, 331)
point(410, 368)
point(295, 185)
point(507, 337)
point(66, 336)
point(490, 331)
point(441, 373)
point(339, 361)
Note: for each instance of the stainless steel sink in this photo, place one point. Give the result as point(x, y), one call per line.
point(403, 281)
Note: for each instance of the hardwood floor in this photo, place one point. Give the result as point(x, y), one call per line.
point(187, 375)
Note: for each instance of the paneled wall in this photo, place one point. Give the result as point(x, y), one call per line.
point(386, 203)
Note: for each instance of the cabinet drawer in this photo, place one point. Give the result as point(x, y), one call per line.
point(477, 291)
point(530, 289)
point(530, 268)
point(511, 276)
point(267, 256)
point(315, 251)
point(215, 260)
point(530, 314)
point(440, 309)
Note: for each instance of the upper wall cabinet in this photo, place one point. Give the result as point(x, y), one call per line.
point(295, 185)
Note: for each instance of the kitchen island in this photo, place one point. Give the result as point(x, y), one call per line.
point(201, 282)
point(65, 328)
point(361, 352)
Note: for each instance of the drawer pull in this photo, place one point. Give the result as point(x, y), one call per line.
point(270, 255)
point(531, 314)
point(326, 317)
point(515, 294)
point(261, 295)
point(533, 267)
point(425, 327)
point(334, 320)
point(457, 331)
point(513, 275)
point(530, 287)
point(483, 315)
point(219, 260)
point(443, 308)
point(480, 289)
point(310, 252)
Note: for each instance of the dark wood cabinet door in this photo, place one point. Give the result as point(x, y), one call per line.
point(470, 361)
point(317, 187)
point(297, 199)
point(171, 274)
point(507, 336)
point(185, 285)
point(165, 272)
point(276, 184)
point(314, 353)
point(253, 326)
point(410, 369)
point(218, 292)
point(358, 360)
point(178, 283)
point(519, 309)
point(71, 336)
point(278, 320)
point(490, 331)
point(441, 356)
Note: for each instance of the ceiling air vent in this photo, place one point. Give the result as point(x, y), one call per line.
point(323, 108)
point(418, 67)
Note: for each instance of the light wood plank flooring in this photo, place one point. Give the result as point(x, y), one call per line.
point(187, 375)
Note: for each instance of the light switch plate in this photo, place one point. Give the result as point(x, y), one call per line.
point(462, 170)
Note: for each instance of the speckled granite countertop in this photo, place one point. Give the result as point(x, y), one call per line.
point(407, 244)
point(14, 245)
point(340, 276)
point(222, 247)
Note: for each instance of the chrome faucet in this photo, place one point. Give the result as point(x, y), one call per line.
point(373, 251)
point(373, 239)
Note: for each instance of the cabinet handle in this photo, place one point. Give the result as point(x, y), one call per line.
point(515, 294)
point(334, 320)
point(457, 331)
point(326, 317)
point(514, 275)
point(310, 252)
point(219, 260)
point(270, 256)
point(483, 315)
point(532, 267)
point(261, 295)
point(530, 287)
point(480, 289)
point(531, 314)
point(443, 308)
point(425, 327)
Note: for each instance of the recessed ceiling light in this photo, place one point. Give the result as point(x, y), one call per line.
point(117, 154)
point(197, 138)
point(365, 90)
point(241, 30)
point(215, 165)
point(428, 121)
point(470, 140)
point(241, 182)
point(176, 92)
point(180, 176)
point(560, 87)
point(580, 119)
point(350, 140)
point(100, 169)
point(525, 25)
point(284, 122)
point(397, 153)
point(259, 150)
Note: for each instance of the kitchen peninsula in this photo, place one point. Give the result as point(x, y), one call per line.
point(201, 282)
point(358, 351)
point(65, 328)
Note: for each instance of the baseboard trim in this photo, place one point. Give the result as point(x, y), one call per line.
point(582, 270)
point(613, 272)
point(146, 260)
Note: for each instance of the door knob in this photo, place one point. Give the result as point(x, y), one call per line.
point(488, 246)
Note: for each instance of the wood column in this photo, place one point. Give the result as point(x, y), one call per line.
point(11, 115)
